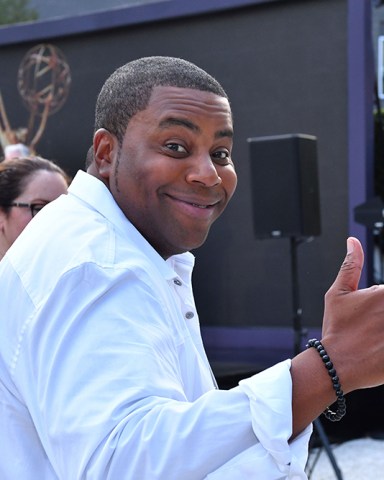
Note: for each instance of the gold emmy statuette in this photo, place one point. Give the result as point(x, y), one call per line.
point(43, 82)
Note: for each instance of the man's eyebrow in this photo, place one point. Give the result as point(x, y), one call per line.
point(172, 121)
point(224, 133)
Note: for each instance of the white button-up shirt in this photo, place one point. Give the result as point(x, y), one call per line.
point(103, 374)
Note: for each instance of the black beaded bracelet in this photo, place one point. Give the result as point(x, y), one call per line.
point(340, 399)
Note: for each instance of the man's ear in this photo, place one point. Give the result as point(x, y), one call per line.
point(106, 149)
point(3, 217)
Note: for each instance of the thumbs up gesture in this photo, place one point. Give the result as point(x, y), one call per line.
point(353, 325)
point(353, 336)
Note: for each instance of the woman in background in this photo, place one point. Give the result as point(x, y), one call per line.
point(27, 184)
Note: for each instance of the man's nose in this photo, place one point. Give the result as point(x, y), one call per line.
point(203, 170)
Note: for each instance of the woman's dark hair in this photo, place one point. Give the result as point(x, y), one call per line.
point(15, 174)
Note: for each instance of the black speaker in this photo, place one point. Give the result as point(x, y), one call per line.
point(285, 186)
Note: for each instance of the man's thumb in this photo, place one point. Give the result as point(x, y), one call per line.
point(349, 274)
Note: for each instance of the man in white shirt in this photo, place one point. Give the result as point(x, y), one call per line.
point(103, 374)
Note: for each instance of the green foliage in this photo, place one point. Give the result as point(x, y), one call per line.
point(16, 11)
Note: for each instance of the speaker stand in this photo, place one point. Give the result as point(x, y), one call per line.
point(299, 333)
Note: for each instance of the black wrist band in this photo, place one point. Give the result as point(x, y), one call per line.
point(340, 399)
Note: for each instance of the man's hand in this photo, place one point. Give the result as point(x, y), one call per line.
point(353, 335)
point(353, 325)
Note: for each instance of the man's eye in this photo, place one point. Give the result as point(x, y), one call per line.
point(222, 157)
point(176, 147)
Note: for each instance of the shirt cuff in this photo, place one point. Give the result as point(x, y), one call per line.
point(270, 396)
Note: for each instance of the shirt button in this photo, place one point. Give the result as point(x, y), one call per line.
point(189, 315)
point(177, 282)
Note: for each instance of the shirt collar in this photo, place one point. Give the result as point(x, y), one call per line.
point(95, 193)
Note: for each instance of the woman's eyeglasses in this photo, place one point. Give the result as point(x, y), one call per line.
point(34, 207)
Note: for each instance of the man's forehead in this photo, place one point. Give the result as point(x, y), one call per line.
point(181, 104)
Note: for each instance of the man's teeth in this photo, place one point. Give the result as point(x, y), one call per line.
point(199, 206)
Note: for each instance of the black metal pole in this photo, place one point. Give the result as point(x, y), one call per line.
point(327, 447)
point(297, 311)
